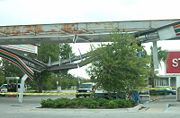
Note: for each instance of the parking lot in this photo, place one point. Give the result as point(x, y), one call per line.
point(165, 106)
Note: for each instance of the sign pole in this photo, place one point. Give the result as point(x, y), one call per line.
point(178, 88)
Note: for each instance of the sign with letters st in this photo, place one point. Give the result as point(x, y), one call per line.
point(173, 62)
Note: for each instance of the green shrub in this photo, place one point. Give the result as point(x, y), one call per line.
point(86, 103)
point(101, 102)
point(61, 103)
point(47, 103)
point(93, 104)
point(111, 104)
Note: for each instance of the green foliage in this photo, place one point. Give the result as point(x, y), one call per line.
point(48, 103)
point(111, 104)
point(48, 50)
point(45, 80)
point(117, 67)
point(10, 70)
point(162, 54)
point(86, 103)
point(7, 69)
point(2, 76)
point(65, 51)
point(66, 80)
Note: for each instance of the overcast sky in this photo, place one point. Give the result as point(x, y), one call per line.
point(18, 12)
point(58, 11)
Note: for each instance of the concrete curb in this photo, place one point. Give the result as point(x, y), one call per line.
point(137, 108)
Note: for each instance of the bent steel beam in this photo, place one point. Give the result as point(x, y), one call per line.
point(167, 32)
point(65, 32)
point(16, 61)
point(32, 63)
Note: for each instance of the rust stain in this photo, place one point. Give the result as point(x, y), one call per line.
point(1, 31)
point(70, 28)
point(38, 29)
point(32, 29)
point(53, 30)
point(12, 31)
point(28, 29)
point(15, 31)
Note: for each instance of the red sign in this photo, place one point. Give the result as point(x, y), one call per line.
point(173, 62)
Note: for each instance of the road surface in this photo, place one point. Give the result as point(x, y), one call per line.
point(165, 107)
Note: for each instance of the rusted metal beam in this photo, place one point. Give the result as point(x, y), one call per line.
point(64, 32)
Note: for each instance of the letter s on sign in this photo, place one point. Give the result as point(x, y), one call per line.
point(175, 62)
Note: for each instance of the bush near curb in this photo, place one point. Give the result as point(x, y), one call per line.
point(91, 103)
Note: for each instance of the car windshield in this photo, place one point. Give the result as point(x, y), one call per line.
point(3, 86)
point(85, 86)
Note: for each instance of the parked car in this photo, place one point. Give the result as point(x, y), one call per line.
point(99, 92)
point(85, 89)
point(11, 88)
point(3, 88)
point(162, 90)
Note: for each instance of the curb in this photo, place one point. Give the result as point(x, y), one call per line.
point(137, 108)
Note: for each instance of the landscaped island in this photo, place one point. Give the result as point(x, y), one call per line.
point(87, 103)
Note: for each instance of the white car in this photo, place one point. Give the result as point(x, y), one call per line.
point(4, 88)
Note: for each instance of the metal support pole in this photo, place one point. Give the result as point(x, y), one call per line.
point(78, 77)
point(169, 81)
point(178, 88)
point(16, 85)
point(23, 79)
point(49, 61)
point(155, 55)
point(80, 54)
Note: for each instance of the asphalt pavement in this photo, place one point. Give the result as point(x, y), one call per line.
point(166, 103)
point(160, 107)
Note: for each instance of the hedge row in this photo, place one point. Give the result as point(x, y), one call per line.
point(86, 103)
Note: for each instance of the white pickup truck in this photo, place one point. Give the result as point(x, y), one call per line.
point(85, 89)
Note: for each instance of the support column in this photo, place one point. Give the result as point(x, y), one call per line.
point(178, 88)
point(169, 81)
point(23, 79)
point(16, 85)
point(155, 55)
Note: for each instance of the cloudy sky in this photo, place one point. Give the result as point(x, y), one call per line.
point(19, 12)
point(57, 11)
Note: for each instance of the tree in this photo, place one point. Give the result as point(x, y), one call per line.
point(45, 52)
point(65, 51)
point(7, 69)
point(48, 50)
point(117, 66)
point(2, 76)
point(10, 70)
